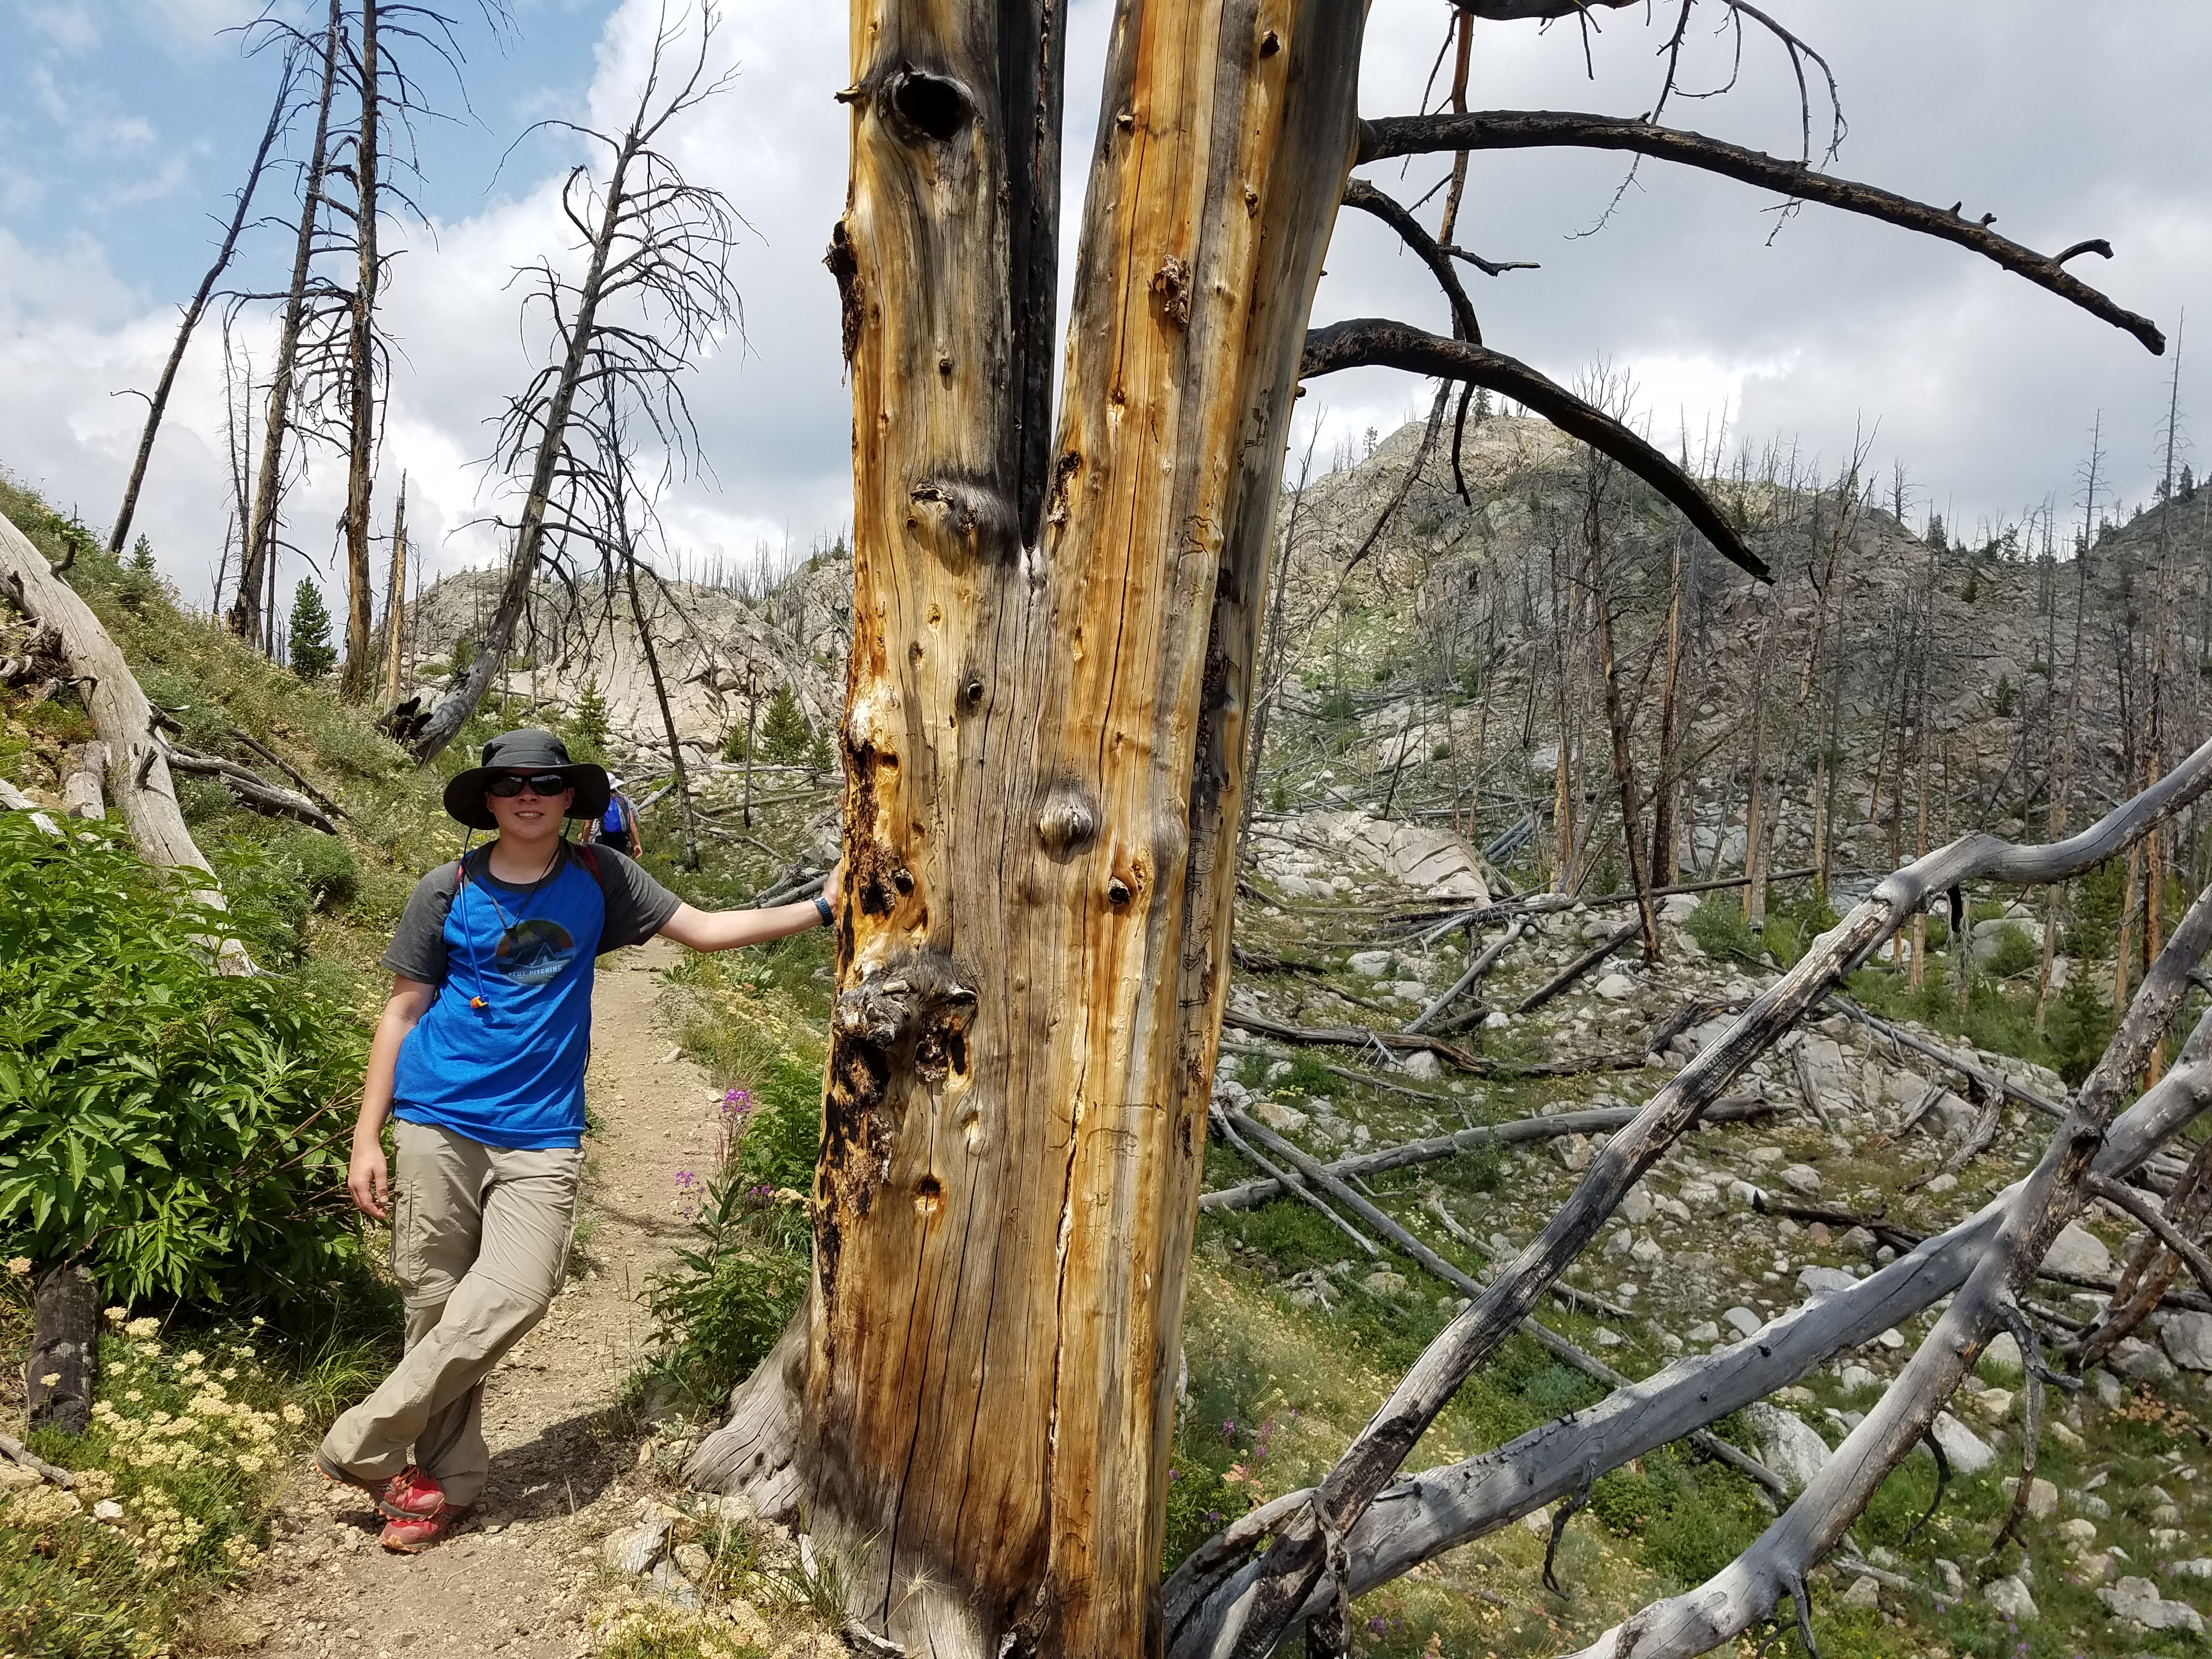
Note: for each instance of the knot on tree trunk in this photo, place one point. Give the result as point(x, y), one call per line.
point(913, 1008)
point(978, 514)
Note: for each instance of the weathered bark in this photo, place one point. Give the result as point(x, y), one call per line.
point(395, 599)
point(64, 1351)
point(158, 404)
point(1050, 675)
point(137, 770)
point(356, 673)
point(81, 794)
point(252, 790)
point(248, 617)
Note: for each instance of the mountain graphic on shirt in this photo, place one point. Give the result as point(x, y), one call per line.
point(534, 952)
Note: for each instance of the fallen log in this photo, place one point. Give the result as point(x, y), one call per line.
point(1298, 1189)
point(64, 1351)
point(252, 790)
point(1581, 965)
point(137, 768)
point(1351, 1037)
point(1421, 1516)
point(1596, 1120)
point(292, 772)
point(1438, 1267)
point(81, 794)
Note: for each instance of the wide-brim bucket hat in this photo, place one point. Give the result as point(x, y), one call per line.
point(526, 750)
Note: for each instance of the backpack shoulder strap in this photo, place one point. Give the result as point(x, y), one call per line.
point(588, 855)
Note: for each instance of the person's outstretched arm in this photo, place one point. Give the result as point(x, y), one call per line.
point(368, 1179)
point(728, 930)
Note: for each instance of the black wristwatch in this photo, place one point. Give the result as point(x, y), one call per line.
point(822, 908)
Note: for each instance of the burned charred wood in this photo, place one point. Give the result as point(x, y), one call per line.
point(64, 1356)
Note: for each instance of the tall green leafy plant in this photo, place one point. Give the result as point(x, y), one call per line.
point(182, 1131)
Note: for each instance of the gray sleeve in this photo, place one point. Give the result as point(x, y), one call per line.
point(638, 907)
point(419, 947)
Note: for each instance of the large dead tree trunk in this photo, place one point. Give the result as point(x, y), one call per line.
point(357, 673)
point(259, 548)
point(158, 404)
point(1044, 754)
point(137, 770)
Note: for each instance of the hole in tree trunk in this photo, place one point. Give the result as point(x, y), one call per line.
point(934, 104)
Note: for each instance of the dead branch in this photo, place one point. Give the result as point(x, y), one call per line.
point(1413, 135)
point(1370, 342)
point(251, 789)
point(17, 1452)
point(291, 772)
point(158, 404)
point(1991, 1081)
point(1227, 1123)
point(1596, 1120)
point(1467, 981)
point(1294, 1566)
point(2136, 1204)
point(1358, 193)
point(1351, 1037)
point(1581, 965)
point(1440, 1509)
point(1775, 1564)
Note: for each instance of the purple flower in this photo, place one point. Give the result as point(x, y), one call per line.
point(685, 1180)
point(737, 1103)
point(1229, 1428)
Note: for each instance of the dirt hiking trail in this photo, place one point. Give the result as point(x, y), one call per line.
point(522, 1573)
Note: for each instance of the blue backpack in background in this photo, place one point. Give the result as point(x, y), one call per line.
point(615, 823)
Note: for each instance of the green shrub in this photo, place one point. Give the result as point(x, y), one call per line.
point(784, 739)
point(171, 1126)
point(1720, 930)
point(2015, 952)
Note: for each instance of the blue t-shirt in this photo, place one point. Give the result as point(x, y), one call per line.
point(500, 1056)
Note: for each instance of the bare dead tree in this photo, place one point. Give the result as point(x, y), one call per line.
point(158, 404)
point(655, 292)
point(1037, 931)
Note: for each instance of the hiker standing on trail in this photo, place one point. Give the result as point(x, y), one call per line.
point(618, 823)
point(480, 1055)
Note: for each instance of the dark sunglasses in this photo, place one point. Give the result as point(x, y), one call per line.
point(537, 783)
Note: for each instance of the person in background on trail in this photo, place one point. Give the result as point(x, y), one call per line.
point(618, 823)
point(480, 1055)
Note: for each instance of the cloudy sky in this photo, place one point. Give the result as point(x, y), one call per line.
point(133, 121)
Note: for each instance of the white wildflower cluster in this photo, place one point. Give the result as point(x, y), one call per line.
point(180, 1438)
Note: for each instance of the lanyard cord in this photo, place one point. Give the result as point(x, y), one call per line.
point(461, 884)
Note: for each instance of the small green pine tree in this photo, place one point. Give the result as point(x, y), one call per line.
point(140, 580)
point(313, 654)
point(587, 724)
point(465, 655)
point(784, 739)
point(2003, 696)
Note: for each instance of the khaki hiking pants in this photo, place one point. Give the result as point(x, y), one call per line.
point(480, 1243)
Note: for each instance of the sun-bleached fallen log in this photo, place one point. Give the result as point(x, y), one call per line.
point(13, 799)
point(1298, 1560)
point(252, 790)
point(1773, 1570)
point(1440, 1509)
point(137, 766)
point(80, 792)
point(1596, 1120)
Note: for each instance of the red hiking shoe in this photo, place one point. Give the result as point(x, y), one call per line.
point(413, 1537)
point(410, 1495)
